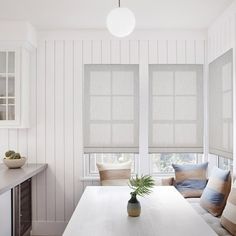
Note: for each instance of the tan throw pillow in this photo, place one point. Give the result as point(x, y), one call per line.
point(114, 174)
point(215, 194)
point(228, 218)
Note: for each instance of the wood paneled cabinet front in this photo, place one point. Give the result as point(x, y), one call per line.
point(14, 87)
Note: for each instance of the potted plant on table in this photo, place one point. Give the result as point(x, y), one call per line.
point(141, 186)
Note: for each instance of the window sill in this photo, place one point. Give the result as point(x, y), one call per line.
point(87, 178)
point(155, 176)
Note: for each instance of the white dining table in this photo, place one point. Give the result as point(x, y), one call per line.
point(102, 211)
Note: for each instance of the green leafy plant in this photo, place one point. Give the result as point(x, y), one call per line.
point(141, 186)
point(12, 155)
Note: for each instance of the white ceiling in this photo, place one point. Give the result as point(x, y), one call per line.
point(150, 14)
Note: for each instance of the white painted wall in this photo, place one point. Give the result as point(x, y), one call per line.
point(55, 136)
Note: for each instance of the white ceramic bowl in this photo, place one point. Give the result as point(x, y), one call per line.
point(14, 163)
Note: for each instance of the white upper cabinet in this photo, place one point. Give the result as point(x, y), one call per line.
point(18, 43)
point(14, 87)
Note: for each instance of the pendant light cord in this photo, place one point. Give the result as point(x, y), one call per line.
point(119, 3)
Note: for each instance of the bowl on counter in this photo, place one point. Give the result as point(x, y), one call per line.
point(14, 163)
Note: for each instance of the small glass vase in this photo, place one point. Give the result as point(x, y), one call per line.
point(133, 207)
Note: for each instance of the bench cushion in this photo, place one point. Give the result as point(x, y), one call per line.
point(216, 192)
point(190, 179)
point(212, 221)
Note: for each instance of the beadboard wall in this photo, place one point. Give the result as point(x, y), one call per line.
point(55, 135)
point(221, 33)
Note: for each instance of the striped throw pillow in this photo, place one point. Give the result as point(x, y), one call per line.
point(228, 218)
point(190, 179)
point(114, 174)
point(216, 192)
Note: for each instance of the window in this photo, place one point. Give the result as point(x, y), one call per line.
point(162, 162)
point(225, 163)
point(92, 158)
point(111, 109)
point(221, 106)
point(176, 109)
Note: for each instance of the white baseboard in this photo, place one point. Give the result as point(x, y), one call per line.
point(48, 228)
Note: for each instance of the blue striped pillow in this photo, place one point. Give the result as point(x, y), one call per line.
point(190, 179)
point(216, 192)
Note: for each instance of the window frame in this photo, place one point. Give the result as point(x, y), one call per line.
point(199, 159)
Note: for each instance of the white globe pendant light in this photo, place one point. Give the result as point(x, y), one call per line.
point(121, 21)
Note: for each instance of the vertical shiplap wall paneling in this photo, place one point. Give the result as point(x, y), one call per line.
point(153, 51)
point(50, 129)
point(190, 51)
point(87, 51)
point(209, 47)
point(32, 132)
point(162, 51)
point(41, 151)
point(78, 120)
point(69, 124)
point(59, 131)
point(181, 51)
point(115, 52)
point(4, 142)
point(23, 142)
point(143, 104)
point(200, 52)
point(13, 141)
point(172, 52)
point(88, 58)
point(96, 52)
point(221, 36)
point(124, 52)
point(134, 52)
point(106, 51)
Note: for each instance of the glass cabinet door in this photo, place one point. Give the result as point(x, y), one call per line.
point(7, 85)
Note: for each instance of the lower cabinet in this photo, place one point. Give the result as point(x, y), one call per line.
point(22, 209)
point(5, 214)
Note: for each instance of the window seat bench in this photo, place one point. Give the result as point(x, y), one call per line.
point(212, 221)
